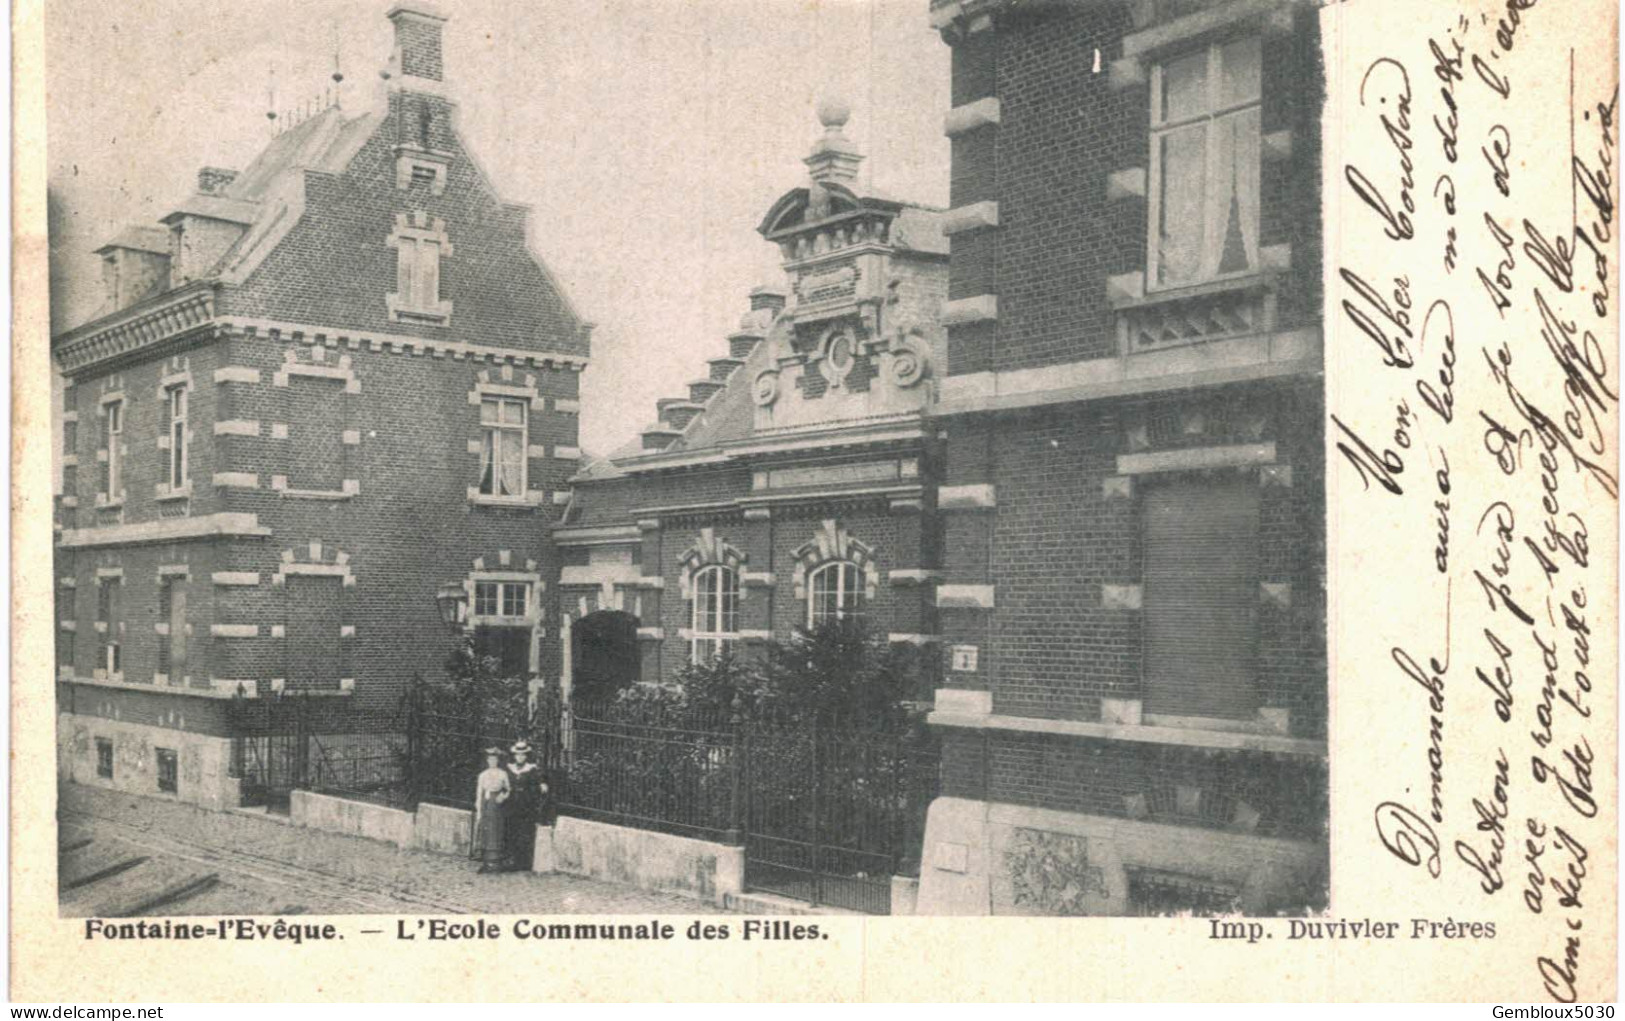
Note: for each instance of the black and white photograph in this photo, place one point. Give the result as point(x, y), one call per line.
point(803, 461)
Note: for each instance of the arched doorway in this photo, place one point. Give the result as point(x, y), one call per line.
point(604, 655)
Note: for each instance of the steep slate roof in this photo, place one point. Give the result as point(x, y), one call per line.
point(316, 143)
point(730, 413)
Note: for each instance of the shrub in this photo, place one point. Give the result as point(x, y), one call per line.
point(843, 672)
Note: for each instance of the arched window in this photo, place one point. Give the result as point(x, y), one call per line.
point(715, 621)
point(835, 592)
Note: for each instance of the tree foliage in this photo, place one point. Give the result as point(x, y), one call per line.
point(841, 672)
point(474, 686)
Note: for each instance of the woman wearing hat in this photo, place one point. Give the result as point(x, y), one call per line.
point(491, 793)
point(528, 784)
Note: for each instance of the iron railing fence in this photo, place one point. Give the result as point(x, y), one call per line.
point(293, 740)
point(827, 807)
point(651, 767)
point(372, 767)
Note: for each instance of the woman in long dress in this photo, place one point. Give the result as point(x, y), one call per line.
point(491, 792)
point(525, 780)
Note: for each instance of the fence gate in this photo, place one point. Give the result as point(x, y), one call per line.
point(270, 748)
point(832, 814)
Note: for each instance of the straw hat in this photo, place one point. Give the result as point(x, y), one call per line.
point(520, 746)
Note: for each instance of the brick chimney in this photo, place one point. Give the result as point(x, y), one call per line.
point(214, 180)
point(767, 296)
point(417, 42)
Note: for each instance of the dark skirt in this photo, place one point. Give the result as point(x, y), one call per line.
point(522, 815)
point(491, 834)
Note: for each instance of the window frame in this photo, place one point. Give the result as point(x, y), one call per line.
point(843, 589)
point(724, 610)
point(524, 589)
point(173, 644)
point(490, 445)
point(114, 411)
point(1213, 111)
point(179, 467)
point(110, 654)
point(418, 276)
point(504, 587)
point(167, 767)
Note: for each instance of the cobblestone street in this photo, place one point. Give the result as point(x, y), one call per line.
point(123, 855)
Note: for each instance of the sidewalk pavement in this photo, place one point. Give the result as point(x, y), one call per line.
point(448, 881)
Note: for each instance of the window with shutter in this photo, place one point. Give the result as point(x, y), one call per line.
point(315, 604)
point(420, 243)
point(1200, 595)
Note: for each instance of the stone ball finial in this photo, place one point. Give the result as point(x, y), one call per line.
point(834, 112)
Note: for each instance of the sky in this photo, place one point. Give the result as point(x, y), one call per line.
point(648, 136)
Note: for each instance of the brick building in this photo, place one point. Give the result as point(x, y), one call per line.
point(1133, 601)
point(793, 480)
point(319, 390)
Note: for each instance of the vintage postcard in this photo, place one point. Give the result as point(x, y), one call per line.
point(860, 499)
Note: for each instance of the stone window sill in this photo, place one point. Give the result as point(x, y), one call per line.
point(182, 493)
point(318, 494)
point(526, 501)
point(1229, 285)
point(440, 316)
point(1141, 733)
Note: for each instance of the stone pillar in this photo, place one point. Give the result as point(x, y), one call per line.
point(757, 580)
point(965, 598)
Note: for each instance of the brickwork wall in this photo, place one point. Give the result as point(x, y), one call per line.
point(400, 438)
point(1050, 647)
point(770, 546)
point(334, 268)
point(410, 528)
point(420, 47)
point(1098, 777)
point(1063, 129)
point(1059, 535)
point(897, 540)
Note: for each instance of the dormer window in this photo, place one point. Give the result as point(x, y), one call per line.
point(420, 243)
point(417, 169)
point(1204, 165)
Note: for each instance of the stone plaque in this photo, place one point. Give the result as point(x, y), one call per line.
point(964, 658)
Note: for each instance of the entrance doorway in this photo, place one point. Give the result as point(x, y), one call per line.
point(604, 655)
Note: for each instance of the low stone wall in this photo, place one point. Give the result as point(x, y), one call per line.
point(700, 869)
point(202, 774)
point(443, 830)
point(905, 895)
point(648, 860)
point(353, 818)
